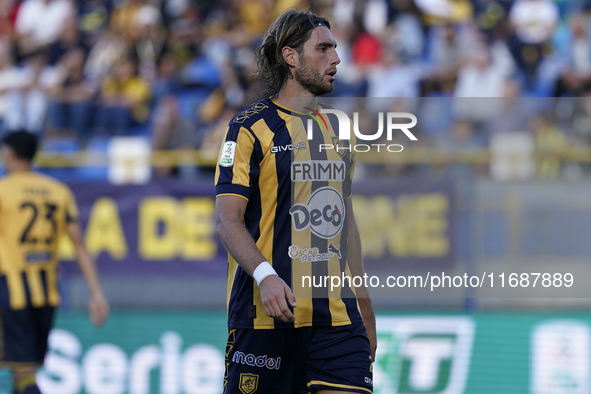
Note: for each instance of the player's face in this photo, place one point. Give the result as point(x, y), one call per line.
point(318, 63)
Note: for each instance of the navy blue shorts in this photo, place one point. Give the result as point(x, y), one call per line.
point(24, 335)
point(298, 360)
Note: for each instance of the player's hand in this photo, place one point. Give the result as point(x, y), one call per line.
point(370, 327)
point(276, 295)
point(369, 321)
point(98, 307)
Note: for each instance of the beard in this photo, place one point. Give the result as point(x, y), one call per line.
point(312, 80)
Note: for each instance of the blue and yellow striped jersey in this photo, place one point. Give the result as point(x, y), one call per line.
point(296, 211)
point(34, 212)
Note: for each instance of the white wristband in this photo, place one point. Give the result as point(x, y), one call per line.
point(263, 270)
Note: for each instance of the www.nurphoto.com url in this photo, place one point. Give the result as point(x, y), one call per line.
point(435, 281)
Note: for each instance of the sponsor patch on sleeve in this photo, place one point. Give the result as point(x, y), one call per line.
point(228, 153)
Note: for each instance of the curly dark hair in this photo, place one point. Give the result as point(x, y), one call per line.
point(291, 29)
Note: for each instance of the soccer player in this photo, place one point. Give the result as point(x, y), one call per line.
point(277, 343)
point(35, 210)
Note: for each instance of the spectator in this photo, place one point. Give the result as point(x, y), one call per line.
point(70, 39)
point(103, 55)
point(39, 23)
point(514, 111)
point(7, 78)
point(124, 99)
point(549, 141)
point(27, 100)
point(375, 17)
point(171, 132)
point(71, 103)
point(408, 32)
point(182, 18)
point(94, 16)
point(460, 139)
point(449, 51)
point(533, 23)
point(576, 74)
point(150, 41)
point(445, 11)
point(255, 15)
point(202, 53)
point(123, 19)
point(366, 49)
point(480, 77)
point(392, 78)
point(581, 120)
point(167, 81)
point(214, 133)
point(8, 11)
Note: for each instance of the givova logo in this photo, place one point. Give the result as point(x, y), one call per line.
point(423, 355)
point(323, 213)
point(288, 147)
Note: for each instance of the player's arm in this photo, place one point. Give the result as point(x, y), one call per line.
point(275, 293)
point(98, 305)
point(355, 260)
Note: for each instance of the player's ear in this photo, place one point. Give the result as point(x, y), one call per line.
point(290, 56)
point(6, 152)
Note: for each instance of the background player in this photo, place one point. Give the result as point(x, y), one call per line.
point(35, 211)
point(324, 346)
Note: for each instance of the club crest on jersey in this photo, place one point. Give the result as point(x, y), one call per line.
point(339, 146)
point(288, 147)
point(249, 383)
point(323, 213)
point(228, 153)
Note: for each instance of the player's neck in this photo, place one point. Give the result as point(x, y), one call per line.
point(292, 90)
point(18, 166)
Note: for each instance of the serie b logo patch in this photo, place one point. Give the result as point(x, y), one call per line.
point(249, 383)
point(228, 153)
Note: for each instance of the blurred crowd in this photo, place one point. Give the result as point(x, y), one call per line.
point(176, 71)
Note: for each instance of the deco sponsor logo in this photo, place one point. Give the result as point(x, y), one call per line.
point(256, 361)
point(323, 213)
point(318, 170)
point(312, 255)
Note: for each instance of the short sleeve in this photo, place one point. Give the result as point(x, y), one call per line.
point(238, 167)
